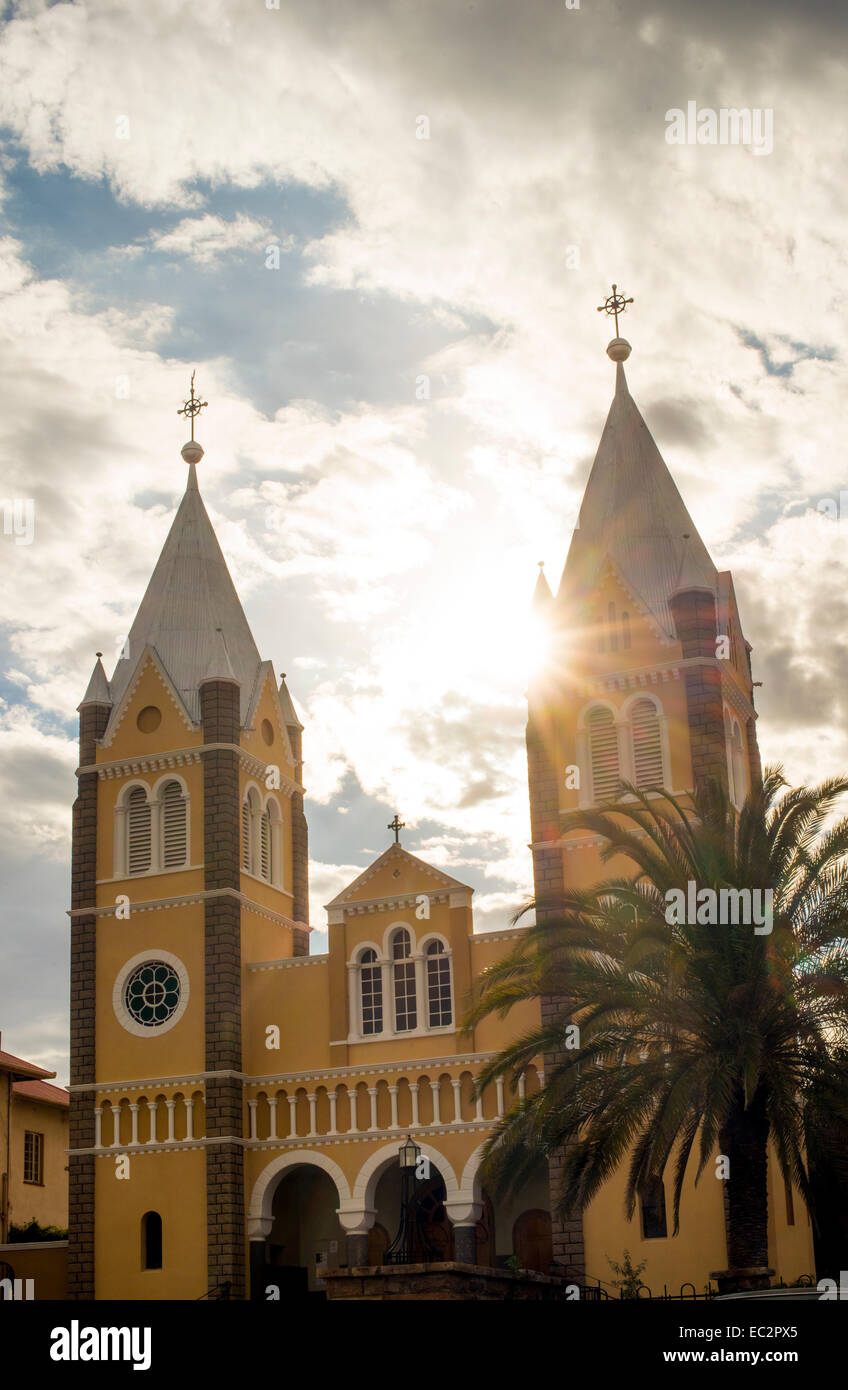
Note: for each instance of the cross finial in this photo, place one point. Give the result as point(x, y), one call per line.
point(397, 826)
point(192, 407)
point(614, 304)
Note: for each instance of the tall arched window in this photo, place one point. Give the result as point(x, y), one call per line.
point(174, 826)
point(275, 833)
point(439, 1010)
point(648, 770)
point(603, 754)
point(406, 1013)
point(139, 847)
point(151, 1240)
point(371, 992)
point(738, 775)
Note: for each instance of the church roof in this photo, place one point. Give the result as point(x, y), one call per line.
point(97, 692)
point(634, 518)
point(191, 614)
point(397, 854)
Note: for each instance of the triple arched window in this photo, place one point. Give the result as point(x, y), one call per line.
point(405, 988)
point(627, 745)
point(152, 829)
point(262, 838)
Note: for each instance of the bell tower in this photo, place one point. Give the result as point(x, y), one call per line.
point(189, 864)
point(649, 676)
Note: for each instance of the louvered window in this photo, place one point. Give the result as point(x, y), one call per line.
point(138, 831)
point(265, 846)
point(245, 837)
point(647, 745)
point(603, 755)
point(174, 828)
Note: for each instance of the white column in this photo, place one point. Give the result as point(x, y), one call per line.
point(354, 1122)
point(169, 1106)
point(414, 1093)
point(457, 1099)
point(479, 1111)
point(189, 1105)
point(116, 1123)
point(522, 1086)
point(272, 1106)
point(333, 1099)
point(292, 1116)
point(313, 1101)
point(541, 1075)
point(134, 1114)
point(372, 1091)
point(151, 1107)
point(252, 1107)
point(98, 1126)
point(499, 1083)
point(393, 1090)
point(437, 1115)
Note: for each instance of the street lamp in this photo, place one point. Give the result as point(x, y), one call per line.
point(411, 1232)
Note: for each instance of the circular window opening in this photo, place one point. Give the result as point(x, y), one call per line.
point(152, 993)
point(267, 731)
point(149, 719)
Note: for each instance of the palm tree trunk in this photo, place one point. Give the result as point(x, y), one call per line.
point(744, 1142)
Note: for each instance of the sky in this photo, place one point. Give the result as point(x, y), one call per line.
point(380, 231)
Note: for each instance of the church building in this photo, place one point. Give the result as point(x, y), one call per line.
point(237, 1103)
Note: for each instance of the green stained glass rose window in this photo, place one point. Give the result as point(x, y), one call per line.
point(152, 993)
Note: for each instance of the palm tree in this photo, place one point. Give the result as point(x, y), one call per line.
point(668, 1037)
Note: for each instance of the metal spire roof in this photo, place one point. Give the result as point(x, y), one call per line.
point(191, 614)
point(98, 692)
point(633, 516)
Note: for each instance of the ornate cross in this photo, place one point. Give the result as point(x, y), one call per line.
point(616, 304)
point(192, 407)
point(397, 826)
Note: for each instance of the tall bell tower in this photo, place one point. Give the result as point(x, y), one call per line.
point(649, 676)
point(189, 864)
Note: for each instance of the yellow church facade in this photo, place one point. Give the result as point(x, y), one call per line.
point(237, 1103)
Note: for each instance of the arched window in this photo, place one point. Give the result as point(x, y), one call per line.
point(151, 1240)
point(174, 826)
point(648, 770)
point(275, 833)
point(439, 1009)
point(738, 775)
point(652, 1204)
point(251, 834)
point(613, 634)
point(532, 1241)
point(603, 754)
point(371, 992)
point(406, 1014)
point(138, 832)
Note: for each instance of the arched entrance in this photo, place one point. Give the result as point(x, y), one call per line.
point(432, 1237)
point(294, 1226)
point(305, 1236)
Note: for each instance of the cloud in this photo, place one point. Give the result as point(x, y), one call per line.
point(208, 239)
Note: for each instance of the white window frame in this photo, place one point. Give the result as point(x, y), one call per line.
point(628, 767)
point(121, 848)
point(386, 962)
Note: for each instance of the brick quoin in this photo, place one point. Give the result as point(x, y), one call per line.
point(225, 1256)
point(567, 1238)
point(92, 726)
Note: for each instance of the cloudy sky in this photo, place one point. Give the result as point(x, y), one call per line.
point(380, 230)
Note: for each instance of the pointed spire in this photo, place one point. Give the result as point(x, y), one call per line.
point(287, 706)
point(633, 516)
point(97, 692)
point(542, 595)
point(191, 614)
